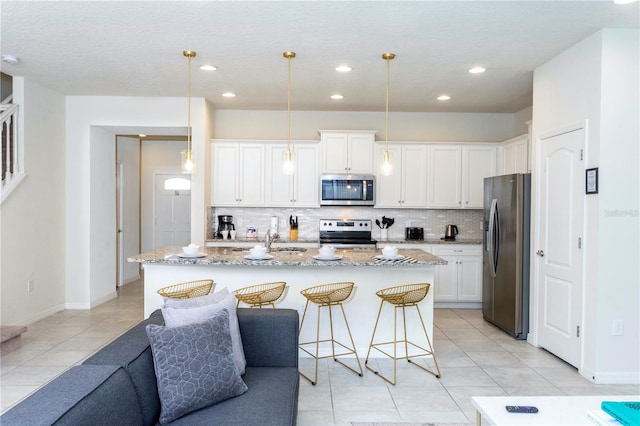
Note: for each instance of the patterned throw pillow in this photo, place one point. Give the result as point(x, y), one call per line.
point(194, 365)
point(176, 316)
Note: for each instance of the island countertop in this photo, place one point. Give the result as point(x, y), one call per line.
point(284, 256)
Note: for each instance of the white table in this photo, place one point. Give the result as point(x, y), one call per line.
point(553, 410)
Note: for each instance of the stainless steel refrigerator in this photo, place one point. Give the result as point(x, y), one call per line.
point(505, 282)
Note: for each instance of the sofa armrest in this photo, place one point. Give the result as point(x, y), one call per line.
point(269, 337)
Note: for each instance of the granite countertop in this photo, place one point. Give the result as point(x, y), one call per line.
point(438, 241)
point(233, 256)
point(280, 242)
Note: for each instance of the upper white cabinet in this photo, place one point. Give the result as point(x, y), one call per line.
point(347, 151)
point(515, 155)
point(456, 175)
point(406, 187)
point(237, 174)
point(301, 188)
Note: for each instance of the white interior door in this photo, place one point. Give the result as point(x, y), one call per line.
point(172, 218)
point(559, 253)
point(120, 260)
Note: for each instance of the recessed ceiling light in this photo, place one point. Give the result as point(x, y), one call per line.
point(443, 97)
point(10, 59)
point(477, 70)
point(208, 67)
point(337, 96)
point(229, 95)
point(343, 68)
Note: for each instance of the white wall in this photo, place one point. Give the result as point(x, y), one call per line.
point(403, 126)
point(596, 82)
point(157, 157)
point(128, 153)
point(83, 112)
point(32, 225)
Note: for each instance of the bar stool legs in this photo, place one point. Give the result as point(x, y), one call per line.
point(328, 296)
point(402, 297)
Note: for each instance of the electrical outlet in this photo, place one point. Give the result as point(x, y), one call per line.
point(239, 222)
point(30, 285)
point(618, 327)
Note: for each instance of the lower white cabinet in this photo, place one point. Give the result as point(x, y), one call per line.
point(461, 279)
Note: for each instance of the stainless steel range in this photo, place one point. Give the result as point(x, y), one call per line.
point(346, 233)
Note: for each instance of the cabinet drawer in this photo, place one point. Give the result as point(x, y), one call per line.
point(458, 250)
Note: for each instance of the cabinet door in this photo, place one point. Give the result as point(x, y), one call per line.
point(360, 155)
point(516, 156)
point(446, 289)
point(470, 278)
point(445, 166)
point(306, 179)
point(414, 176)
point(334, 152)
point(224, 174)
point(389, 188)
point(278, 185)
point(478, 163)
point(251, 175)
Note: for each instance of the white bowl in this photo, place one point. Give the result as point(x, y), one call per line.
point(327, 251)
point(258, 251)
point(191, 250)
point(390, 252)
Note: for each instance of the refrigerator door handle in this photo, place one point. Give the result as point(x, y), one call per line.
point(493, 213)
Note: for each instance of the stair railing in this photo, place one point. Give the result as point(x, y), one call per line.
point(10, 166)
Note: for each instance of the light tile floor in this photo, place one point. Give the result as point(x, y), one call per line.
point(475, 359)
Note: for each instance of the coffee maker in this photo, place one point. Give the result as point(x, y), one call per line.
point(225, 223)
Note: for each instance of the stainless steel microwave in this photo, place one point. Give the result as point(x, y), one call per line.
point(347, 190)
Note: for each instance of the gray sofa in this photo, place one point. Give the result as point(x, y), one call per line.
point(117, 385)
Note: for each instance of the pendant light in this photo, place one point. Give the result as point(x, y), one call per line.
point(387, 167)
point(287, 163)
point(187, 156)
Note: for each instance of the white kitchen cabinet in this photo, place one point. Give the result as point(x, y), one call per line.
point(301, 188)
point(406, 187)
point(347, 151)
point(515, 155)
point(456, 175)
point(461, 279)
point(237, 174)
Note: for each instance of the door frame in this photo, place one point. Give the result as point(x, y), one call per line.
point(536, 177)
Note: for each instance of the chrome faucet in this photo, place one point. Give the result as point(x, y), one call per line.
point(268, 239)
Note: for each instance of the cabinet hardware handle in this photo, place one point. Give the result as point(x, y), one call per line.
point(540, 253)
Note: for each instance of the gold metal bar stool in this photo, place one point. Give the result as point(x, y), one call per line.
point(259, 295)
point(188, 289)
point(328, 295)
point(401, 297)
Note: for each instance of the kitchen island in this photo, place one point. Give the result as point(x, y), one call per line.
point(299, 268)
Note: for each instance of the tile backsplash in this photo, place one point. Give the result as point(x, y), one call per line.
point(469, 222)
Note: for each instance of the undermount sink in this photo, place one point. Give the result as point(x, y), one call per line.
point(289, 249)
point(278, 249)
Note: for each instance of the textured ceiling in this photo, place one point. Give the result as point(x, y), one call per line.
point(134, 48)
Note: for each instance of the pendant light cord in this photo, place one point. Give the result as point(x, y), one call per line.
point(189, 112)
point(386, 113)
point(289, 104)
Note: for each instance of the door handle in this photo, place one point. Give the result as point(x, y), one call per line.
point(540, 253)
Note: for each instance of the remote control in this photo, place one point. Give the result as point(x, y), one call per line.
point(521, 409)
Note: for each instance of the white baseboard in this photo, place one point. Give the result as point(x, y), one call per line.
point(628, 378)
point(104, 299)
point(77, 306)
point(43, 315)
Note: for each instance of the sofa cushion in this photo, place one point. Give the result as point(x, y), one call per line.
point(272, 400)
point(180, 316)
point(133, 351)
point(194, 365)
point(84, 394)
